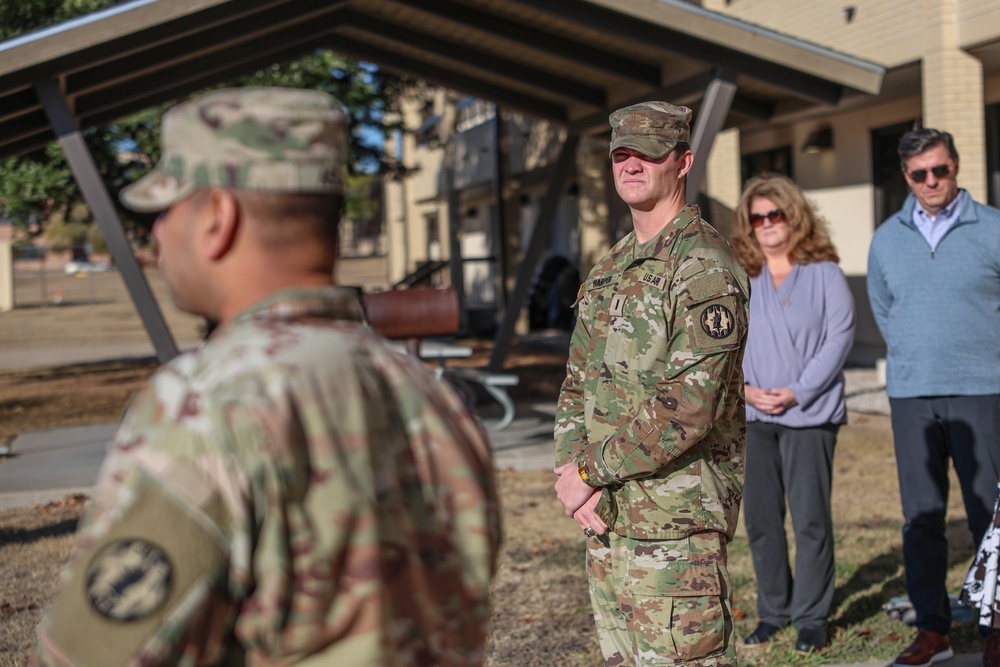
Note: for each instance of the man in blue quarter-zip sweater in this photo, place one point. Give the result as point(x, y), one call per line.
point(934, 285)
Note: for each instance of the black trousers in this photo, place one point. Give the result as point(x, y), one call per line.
point(797, 463)
point(927, 432)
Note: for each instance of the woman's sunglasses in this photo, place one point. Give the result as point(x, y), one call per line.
point(920, 175)
point(776, 216)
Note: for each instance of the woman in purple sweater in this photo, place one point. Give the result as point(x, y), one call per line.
point(801, 330)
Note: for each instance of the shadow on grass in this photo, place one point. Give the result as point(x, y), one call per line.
point(557, 554)
point(961, 550)
point(883, 577)
point(12, 405)
point(541, 606)
point(25, 536)
point(880, 577)
point(73, 302)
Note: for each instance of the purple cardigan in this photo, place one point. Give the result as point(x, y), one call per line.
point(800, 335)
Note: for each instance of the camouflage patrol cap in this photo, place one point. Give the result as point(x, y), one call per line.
point(269, 139)
point(651, 128)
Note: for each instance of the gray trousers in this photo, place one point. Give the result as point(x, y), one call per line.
point(797, 463)
point(927, 432)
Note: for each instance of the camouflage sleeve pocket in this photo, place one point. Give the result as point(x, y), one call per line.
point(713, 313)
point(679, 611)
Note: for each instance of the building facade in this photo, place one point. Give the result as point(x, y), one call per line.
point(465, 199)
point(943, 62)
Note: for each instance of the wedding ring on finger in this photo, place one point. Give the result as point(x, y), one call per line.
point(590, 532)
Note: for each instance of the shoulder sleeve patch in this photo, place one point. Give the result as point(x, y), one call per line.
point(147, 568)
point(716, 311)
point(718, 321)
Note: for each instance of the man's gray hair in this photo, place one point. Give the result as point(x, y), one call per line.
point(921, 139)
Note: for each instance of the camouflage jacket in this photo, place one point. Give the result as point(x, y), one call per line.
point(652, 403)
point(294, 492)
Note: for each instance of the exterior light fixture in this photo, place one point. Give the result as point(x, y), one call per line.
point(818, 141)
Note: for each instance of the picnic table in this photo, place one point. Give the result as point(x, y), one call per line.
point(419, 317)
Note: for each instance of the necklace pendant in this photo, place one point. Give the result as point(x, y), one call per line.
point(786, 303)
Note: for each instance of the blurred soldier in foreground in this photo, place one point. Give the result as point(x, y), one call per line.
point(651, 426)
point(295, 491)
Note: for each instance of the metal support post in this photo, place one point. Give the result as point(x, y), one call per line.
point(539, 242)
point(456, 263)
point(711, 117)
point(81, 163)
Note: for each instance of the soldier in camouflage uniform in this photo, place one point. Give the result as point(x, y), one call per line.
point(295, 491)
point(650, 429)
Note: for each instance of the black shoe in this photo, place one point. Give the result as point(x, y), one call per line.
point(810, 639)
point(762, 634)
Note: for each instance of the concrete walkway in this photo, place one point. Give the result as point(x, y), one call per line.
point(46, 357)
point(974, 660)
point(45, 465)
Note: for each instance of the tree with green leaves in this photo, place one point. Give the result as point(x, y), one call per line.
point(39, 186)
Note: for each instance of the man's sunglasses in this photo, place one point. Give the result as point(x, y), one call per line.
point(920, 175)
point(776, 216)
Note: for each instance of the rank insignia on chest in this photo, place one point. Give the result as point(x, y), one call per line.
point(717, 321)
point(617, 305)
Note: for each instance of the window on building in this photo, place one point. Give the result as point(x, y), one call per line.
point(362, 238)
point(429, 132)
point(890, 186)
point(993, 154)
point(774, 161)
point(472, 221)
point(433, 228)
point(471, 112)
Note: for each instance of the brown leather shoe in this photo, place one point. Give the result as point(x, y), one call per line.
point(928, 647)
point(991, 656)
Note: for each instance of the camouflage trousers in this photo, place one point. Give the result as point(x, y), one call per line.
point(662, 602)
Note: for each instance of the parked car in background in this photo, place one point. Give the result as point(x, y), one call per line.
point(78, 268)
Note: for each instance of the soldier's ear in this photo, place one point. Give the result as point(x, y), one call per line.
point(220, 224)
point(684, 163)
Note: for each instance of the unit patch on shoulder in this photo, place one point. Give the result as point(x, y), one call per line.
point(152, 566)
point(715, 313)
point(128, 580)
point(717, 321)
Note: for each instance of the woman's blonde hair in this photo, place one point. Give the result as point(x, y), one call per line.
point(810, 240)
